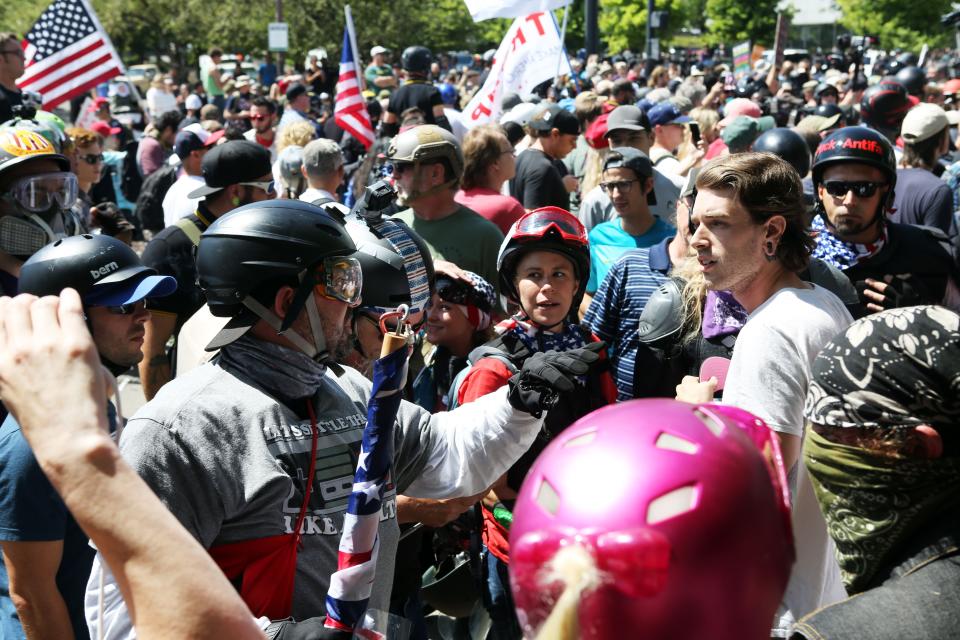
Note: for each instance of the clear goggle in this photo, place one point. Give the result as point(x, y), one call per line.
point(340, 279)
point(39, 193)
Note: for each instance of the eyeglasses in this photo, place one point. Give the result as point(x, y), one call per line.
point(537, 223)
point(840, 188)
point(340, 279)
point(92, 158)
point(620, 185)
point(38, 193)
point(267, 185)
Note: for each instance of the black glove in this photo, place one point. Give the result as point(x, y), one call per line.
point(544, 376)
point(309, 629)
point(902, 290)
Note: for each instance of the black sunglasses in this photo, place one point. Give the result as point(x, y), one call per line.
point(840, 188)
point(123, 309)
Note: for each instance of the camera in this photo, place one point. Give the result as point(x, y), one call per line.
point(378, 199)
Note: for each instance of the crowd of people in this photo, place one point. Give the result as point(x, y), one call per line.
point(684, 354)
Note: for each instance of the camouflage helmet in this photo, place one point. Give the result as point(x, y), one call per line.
point(424, 144)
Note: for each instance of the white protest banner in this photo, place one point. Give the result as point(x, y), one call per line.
point(526, 57)
point(486, 9)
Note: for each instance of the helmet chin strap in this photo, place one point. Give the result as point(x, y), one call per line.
point(317, 350)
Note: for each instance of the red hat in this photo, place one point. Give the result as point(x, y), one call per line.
point(104, 128)
point(596, 134)
point(951, 87)
point(98, 102)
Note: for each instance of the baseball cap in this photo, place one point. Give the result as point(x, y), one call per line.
point(554, 117)
point(666, 113)
point(294, 91)
point(230, 163)
point(951, 87)
point(923, 122)
point(739, 107)
point(104, 129)
point(629, 118)
point(242, 81)
point(633, 159)
point(194, 137)
point(377, 50)
point(98, 102)
point(818, 124)
point(742, 131)
point(520, 113)
point(193, 102)
point(132, 291)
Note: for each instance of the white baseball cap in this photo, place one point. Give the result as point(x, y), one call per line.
point(378, 49)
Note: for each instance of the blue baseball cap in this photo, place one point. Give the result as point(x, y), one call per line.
point(666, 113)
point(132, 290)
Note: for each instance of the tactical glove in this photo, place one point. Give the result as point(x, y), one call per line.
point(544, 376)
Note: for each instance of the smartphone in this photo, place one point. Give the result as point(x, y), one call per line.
point(729, 84)
point(694, 133)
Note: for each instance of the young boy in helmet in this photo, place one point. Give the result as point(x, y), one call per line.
point(45, 553)
point(544, 263)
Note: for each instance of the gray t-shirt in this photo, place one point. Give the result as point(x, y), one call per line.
point(221, 454)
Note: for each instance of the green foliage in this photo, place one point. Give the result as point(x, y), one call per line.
point(623, 23)
point(732, 21)
point(906, 25)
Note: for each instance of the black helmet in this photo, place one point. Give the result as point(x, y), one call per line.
point(103, 270)
point(416, 59)
point(823, 88)
point(828, 111)
point(857, 145)
point(914, 79)
point(544, 229)
point(884, 105)
point(267, 242)
point(397, 266)
point(787, 144)
point(908, 59)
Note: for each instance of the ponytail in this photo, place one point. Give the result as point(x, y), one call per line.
point(575, 568)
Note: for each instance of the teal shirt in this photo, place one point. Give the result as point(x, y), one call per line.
point(608, 241)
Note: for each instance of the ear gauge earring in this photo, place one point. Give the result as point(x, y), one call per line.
point(770, 251)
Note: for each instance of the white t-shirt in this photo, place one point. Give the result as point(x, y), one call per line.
point(768, 376)
point(176, 204)
point(160, 101)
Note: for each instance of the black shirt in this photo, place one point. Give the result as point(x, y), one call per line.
point(415, 93)
point(8, 100)
point(538, 181)
point(172, 253)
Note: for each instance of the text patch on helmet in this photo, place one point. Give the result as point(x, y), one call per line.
point(21, 142)
point(108, 268)
point(871, 146)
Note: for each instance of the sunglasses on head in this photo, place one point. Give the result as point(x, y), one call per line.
point(840, 188)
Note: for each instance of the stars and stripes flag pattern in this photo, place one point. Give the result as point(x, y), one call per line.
point(67, 53)
point(351, 584)
point(350, 110)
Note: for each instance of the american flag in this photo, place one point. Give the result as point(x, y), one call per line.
point(67, 53)
point(350, 111)
point(351, 584)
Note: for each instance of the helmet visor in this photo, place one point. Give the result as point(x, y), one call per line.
point(341, 279)
point(37, 194)
point(537, 223)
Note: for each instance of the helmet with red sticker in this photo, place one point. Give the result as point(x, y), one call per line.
point(658, 516)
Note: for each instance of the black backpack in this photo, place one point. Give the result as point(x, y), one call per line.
point(130, 179)
point(149, 209)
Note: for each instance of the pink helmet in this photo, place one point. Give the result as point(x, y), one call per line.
point(684, 510)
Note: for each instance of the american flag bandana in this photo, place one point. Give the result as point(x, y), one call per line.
point(351, 584)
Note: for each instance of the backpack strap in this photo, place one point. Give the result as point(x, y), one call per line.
point(189, 229)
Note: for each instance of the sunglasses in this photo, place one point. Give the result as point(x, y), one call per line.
point(267, 185)
point(125, 309)
point(620, 185)
point(840, 188)
point(259, 117)
point(92, 158)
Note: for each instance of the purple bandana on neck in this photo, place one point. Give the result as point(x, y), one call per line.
point(722, 315)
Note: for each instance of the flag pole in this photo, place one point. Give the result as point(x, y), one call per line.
point(353, 46)
point(563, 45)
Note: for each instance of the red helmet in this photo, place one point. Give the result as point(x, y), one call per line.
point(544, 229)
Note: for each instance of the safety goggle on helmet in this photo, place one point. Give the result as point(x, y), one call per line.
point(340, 278)
point(538, 223)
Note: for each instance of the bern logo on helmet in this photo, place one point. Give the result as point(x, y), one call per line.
point(110, 267)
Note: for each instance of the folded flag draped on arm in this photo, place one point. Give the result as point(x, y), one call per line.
point(350, 110)
point(67, 53)
point(351, 584)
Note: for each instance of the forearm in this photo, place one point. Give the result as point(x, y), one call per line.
point(188, 598)
point(473, 445)
point(42, 613)
point(154, 373)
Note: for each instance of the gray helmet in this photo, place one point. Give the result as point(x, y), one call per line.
point(425, 144)
point(291, 160)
